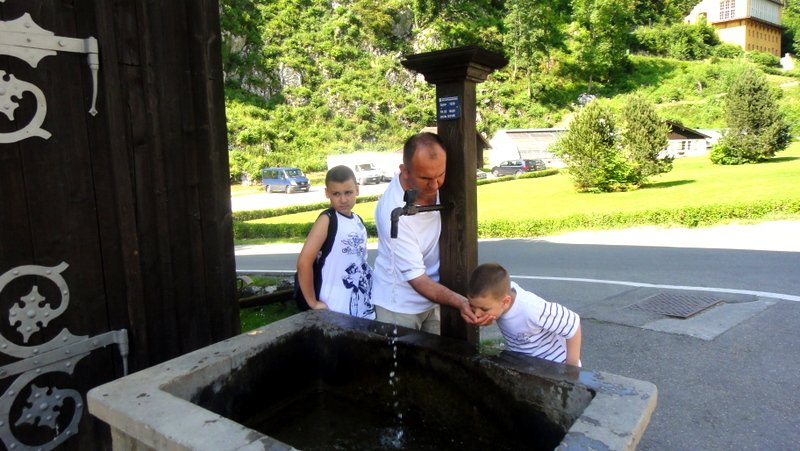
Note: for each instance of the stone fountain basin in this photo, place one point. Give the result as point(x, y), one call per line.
point(296, 383)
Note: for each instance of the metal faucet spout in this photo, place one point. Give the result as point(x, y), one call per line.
point(410, 209)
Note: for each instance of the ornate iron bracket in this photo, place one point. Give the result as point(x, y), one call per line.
point(15, 88)
point(24, 39)
point(32, 313)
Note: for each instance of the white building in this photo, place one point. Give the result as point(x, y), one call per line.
point(534, 143)
point(753, 25)
point(685, 142)
point(525, 143)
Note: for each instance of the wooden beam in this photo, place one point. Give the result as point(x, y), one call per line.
point(455, 73)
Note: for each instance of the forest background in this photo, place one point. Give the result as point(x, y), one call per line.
point(308, 78)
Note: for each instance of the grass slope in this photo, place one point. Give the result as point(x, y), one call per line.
point(694, 182)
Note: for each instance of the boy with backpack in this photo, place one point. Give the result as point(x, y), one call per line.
point(332, 268)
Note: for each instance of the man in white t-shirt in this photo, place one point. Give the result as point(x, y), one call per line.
point(406, 289)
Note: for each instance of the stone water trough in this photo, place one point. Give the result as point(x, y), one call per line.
point(321, 380)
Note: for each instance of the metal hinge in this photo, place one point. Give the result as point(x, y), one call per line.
point(24, 39)
point(43, 406)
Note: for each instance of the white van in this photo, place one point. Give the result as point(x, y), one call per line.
point(367, 173)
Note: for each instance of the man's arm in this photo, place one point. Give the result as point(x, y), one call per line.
point(305, 261)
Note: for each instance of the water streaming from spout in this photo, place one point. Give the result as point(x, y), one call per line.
point(393, 439)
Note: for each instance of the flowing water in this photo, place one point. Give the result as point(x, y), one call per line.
point(394, 437)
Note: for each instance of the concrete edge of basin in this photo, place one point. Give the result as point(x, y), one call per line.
point(617, 416)
point(147, 407)
point(150, 407)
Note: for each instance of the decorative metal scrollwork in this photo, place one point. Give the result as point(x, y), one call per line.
point(30, 314)
point(24, 39)
point(11, 88)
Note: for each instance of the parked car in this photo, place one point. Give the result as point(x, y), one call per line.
point(367, 173)
point(386, 176)
point(517, 167)
point(480, 174)
point(284, 179)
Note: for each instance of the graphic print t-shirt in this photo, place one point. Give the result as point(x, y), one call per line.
point(346, 276)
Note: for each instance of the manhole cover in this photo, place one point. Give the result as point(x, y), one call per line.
point(678, 305)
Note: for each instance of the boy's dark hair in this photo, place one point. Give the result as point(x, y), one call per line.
point(489, 279)
point(424, 139)
point(340, 174)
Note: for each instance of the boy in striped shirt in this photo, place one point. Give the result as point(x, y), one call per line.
point(529, 324)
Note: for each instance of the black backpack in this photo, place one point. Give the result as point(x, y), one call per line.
point(299, 299)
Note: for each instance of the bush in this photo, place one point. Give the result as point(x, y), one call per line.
point(593, 160)
point(251, 215)
point(733, 151)
point(726, 50)
point(686, 217)
point(680, 41)
point(757, 128)
point(250, 230)
point(643, 137)
point(527, 175)
point(763, 59)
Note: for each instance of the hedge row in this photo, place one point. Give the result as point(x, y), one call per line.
point(527, 175)
point(688, 217)
point(272, 212)
point(248, 231)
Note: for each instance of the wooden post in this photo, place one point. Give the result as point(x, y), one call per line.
point(455, 72)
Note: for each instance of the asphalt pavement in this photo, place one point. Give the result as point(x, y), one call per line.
point(727, 376)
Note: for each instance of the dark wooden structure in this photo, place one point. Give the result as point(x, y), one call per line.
point(135, 200)
point(455, 73)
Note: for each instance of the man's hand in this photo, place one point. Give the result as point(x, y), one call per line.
point(438, 293)
point(472, 318)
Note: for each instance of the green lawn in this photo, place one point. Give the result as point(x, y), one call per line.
point(693, 182)
point(241, 190)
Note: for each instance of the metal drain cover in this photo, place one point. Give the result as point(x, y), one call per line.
point(677, 305)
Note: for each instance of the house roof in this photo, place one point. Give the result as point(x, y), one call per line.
point(678, 131)
point(533, 140)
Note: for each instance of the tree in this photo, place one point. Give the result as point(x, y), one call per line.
point(757, 129)
point(790, 41)
point(534, 29)
point(242, 56)
point(589, 148)
point(666, 12)
point(681, 41)
point(642, 138)
point(601, 31)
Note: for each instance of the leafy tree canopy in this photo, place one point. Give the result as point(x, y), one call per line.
point(309, 78)
point(757, 128)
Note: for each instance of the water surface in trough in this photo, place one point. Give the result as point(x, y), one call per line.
point(322, 388)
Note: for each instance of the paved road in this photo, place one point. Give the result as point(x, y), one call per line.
point(728, 376)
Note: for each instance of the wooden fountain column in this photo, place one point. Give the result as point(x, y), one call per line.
point(455, 72)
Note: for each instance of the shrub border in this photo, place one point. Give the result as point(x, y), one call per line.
point(508, 228)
